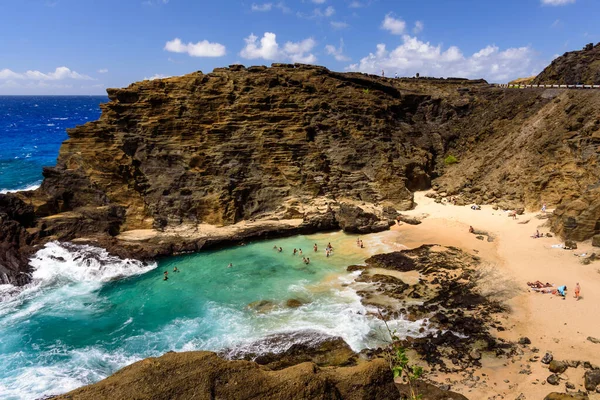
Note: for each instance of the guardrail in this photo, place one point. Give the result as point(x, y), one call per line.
point(507, 86)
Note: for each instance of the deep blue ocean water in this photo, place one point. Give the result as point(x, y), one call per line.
point(31, 131)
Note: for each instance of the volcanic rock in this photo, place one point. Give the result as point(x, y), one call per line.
point(592, 379)
point(558, 367)
point(204, 375)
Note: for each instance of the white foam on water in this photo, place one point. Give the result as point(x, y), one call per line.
point(23, 189)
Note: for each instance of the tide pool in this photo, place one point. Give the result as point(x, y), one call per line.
point(87, 314)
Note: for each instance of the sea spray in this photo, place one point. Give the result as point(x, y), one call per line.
point(87, 314)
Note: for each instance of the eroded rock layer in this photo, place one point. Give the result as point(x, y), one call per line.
point(299, 143)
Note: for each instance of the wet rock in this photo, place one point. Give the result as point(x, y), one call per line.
point(293, 303)
point(262, 306)
point(548, 357)
point(591, 379)
point(553, 379)
point(558, 367)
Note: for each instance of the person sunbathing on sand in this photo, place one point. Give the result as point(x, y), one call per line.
point(538, 284)
point(536, 235)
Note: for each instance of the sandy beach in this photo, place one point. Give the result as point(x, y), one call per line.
point(551, 323)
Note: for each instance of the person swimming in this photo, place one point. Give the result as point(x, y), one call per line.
point(166, 275)
point(307, 260)
point(295, 251)
point(316, 248)
point(175, 269)
point(280, 249)
point(230, 265)
point(300, 251)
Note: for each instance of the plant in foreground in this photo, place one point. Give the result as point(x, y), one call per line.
point(399, 363)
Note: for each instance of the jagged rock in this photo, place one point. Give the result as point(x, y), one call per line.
point(408, 220)
point(524, 340)
point(553, 379)
point(354, 219)
point(558, 367)
point(548, 357)
point(204, 375)
point(573, 68)
point(591, 379)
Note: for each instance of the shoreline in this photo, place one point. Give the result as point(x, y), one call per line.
point(553, 325)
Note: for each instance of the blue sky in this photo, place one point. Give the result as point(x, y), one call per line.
point(85, 46)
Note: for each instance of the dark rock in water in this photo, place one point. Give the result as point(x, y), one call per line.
point(524, 340)
point(567, 396)
point(293, 303)
point(262, 306)
point(558, 367)
point(429, 392)
point(553, 379)
point(591, 379)
point(203, 375)
point(283, 350)
point(548, 357)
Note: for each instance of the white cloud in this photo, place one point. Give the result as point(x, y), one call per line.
point(103, 71)
point(557, 2)
point(419, 26)
point(393, 25)
point(339, 24)
point(269, 49)
point(356, 4)
point(337, 53)
point(262, 7)
point(60, 73)
point(557, 24)
point(318, 1)
point(200, 49)
point(414, 55)
point(328, 12)
point(156, 76)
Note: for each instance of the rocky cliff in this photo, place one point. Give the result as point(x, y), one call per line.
point(297, 148)
point(573, 68)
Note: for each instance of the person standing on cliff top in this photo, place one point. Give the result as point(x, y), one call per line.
point(382, 74)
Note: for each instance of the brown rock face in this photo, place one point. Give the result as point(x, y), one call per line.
point(573, 68)
point(295, 142)
point(203, 375)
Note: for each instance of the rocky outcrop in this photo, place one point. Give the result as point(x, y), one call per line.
point(203, 375)
point(295, 142)
point(573, 68)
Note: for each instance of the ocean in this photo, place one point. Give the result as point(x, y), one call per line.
point(87, 314)
point(31, 131)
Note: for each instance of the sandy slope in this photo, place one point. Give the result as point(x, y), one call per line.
point(552, 324)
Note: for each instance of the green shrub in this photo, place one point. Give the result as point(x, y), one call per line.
point(450, 160)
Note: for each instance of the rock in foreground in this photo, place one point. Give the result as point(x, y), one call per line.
point(203, 375)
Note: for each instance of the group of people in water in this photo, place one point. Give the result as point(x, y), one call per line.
point(166, 274)
point(541, 287)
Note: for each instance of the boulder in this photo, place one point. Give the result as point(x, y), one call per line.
point(354, 219)
point(591, 379)
point(548, 357)
point(553, 379)
point(567, 396)
point(524, 340)
point(293, 303)
point(203, 375)
point(570, 245)
point(596, 240)
point(558, 367)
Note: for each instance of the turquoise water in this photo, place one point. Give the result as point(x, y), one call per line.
point(87, 314)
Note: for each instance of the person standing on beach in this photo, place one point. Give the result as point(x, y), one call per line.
point(544, 208)
point(577, 290)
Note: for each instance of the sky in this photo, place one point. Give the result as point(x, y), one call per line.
point(68, 47)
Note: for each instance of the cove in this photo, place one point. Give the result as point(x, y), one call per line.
point(88, 314)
